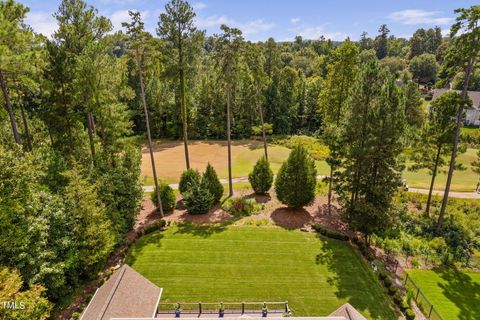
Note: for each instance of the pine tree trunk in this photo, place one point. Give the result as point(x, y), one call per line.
point(230, 187)
point(264, 136)
point(455, 144)
point(183, 108)
point(432, 183)
point(8, 104)
point(150, 148)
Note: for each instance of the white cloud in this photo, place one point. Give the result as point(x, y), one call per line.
point(199, 5)
point(212, 21)
point(315, 32)
point(41, 22)
point(295, 20)
point(248, 28)
point(255, 26)
point(417, 16)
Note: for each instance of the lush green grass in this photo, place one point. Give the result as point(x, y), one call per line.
point(246, 263)
point(456, 295)
point(462, 180)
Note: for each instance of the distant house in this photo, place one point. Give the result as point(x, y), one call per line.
point(127, 295)
point(472, 115)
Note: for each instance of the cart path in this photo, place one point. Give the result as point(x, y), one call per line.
point(452, 194)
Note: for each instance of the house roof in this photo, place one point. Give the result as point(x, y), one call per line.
point(348, 312)
point(126, 294)
point(473, 95)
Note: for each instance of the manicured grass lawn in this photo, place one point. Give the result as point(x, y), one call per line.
point(456, 295)
point(169, 158)
point(247, 263)
point(462, 180)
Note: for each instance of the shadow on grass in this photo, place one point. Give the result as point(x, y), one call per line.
point(354, 281)
point(461, 290)
point(153, 238)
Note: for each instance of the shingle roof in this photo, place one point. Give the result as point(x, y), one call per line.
point(348, 312)
point(126, 294)
point(473, 95)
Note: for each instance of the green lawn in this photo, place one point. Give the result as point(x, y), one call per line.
point(245, 263)
point(462, 180)
point(456, 295)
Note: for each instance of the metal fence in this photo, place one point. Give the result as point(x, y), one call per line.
point(421, 300)
point(198, 308)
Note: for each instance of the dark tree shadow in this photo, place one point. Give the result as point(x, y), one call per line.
point(354, 280)
point(289, 218)
point(463, 291)
point(149, 239)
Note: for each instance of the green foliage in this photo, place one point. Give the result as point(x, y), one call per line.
point(257, 130)
point(370, 145)
point(198, 198)
point(166, 195)
point(188, 178)
point(296, 180)
point(91, 227)
point(316, 149)
point(212, 183)
point(330, 233)
point(261, 178)
point(31, 303)
point(158, 225)
point(240, 206)
point(424, 68)
point(414, 113)
point(409, 314)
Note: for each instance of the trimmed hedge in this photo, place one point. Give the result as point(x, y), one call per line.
point(166, 195)
point(329, 233)
point(211, 181)
point(198, 198)
point(261, 178)
point(188, 178)
point(297, 179)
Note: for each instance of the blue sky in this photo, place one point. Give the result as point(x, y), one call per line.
point(280, 19)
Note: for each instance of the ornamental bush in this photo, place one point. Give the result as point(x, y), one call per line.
point(166, 195)
point(296, 179)
point(212, 183)
point(240, 206)
point(261, 178)
point(198, 198)
point(409, 314)
point(189, 177)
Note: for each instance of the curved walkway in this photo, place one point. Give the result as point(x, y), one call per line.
point(452, 194)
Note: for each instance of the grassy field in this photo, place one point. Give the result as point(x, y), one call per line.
point(245, 263)
point(170, 162)
point(456, 295)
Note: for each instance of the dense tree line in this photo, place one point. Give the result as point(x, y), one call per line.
point(70, 186)
point(69, 178)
